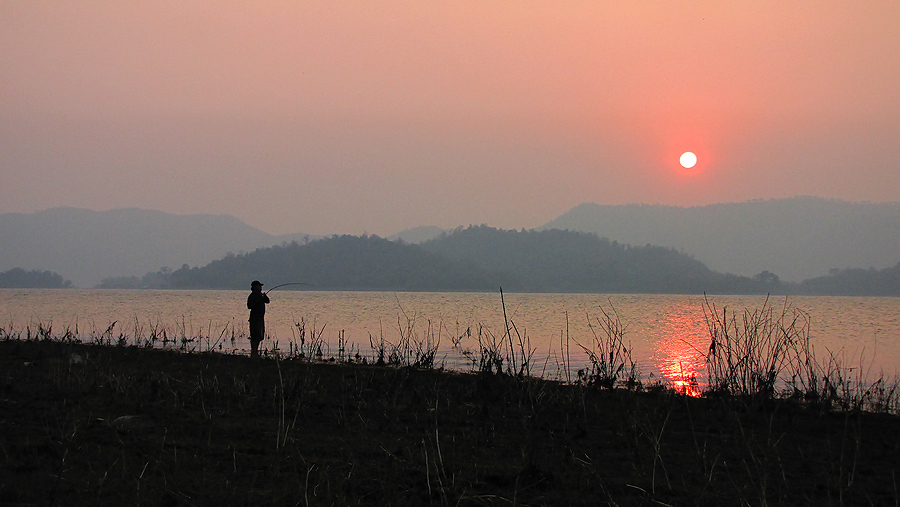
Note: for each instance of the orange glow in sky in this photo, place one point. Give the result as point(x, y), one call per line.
point(324, 117)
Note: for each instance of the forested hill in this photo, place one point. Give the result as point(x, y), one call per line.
point(797, 238)
point(18, 278)
point(854, 282)
point(473, 259)
point(87, 246)
point(567, 261)
point(337, 263)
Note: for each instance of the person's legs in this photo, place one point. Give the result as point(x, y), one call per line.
point(257, 333)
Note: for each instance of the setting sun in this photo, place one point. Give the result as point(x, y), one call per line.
point(688, 160)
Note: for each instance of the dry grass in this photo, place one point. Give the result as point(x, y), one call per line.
point(131, 425)
point(609, 355)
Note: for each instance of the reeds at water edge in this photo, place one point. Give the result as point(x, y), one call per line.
point(112, 420)
point(765, 353)
point(756, 355)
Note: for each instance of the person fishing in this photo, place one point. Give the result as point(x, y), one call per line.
point(256, 303)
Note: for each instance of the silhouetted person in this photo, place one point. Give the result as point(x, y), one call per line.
point(256, 302)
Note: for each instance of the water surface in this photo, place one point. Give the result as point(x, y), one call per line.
point(667, 334)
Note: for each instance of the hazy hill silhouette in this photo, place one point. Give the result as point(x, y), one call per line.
point(567, 261)
point(797, 238)
point(418, 234)
point(340, 263)
point(86, 246)
point(473, 259)
point(18, 278)
point(855, 282)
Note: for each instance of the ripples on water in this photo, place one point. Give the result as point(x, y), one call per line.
point(667, 333)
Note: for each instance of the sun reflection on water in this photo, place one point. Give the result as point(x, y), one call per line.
point(680, 343)
point(666, 334)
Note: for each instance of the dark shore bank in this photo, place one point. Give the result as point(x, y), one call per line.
point(106, 425)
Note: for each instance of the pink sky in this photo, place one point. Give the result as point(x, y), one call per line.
point(351, 117)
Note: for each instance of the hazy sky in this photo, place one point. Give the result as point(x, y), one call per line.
point(368, 116)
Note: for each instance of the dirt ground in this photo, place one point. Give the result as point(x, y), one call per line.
point(105, 425)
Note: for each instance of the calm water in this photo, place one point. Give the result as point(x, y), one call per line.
point(667, 333)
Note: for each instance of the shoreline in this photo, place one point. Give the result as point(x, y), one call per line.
point(127, 425)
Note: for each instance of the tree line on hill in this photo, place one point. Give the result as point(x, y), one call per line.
point(337, 263)
point(477, 258)
point(18, 278)
point(480, 258)
point(798, 238)
point(854, 282)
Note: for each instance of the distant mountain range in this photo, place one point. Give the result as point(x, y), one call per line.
point(796, 239)
point(86, 246)
point(791, 239)
point(473, 259)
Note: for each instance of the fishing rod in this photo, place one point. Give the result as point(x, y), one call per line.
point(284, 284)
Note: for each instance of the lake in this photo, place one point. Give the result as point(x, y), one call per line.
point(667, 334)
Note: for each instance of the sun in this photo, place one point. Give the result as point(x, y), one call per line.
point(688, 159)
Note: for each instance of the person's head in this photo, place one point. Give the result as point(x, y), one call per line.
point(256, 285)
